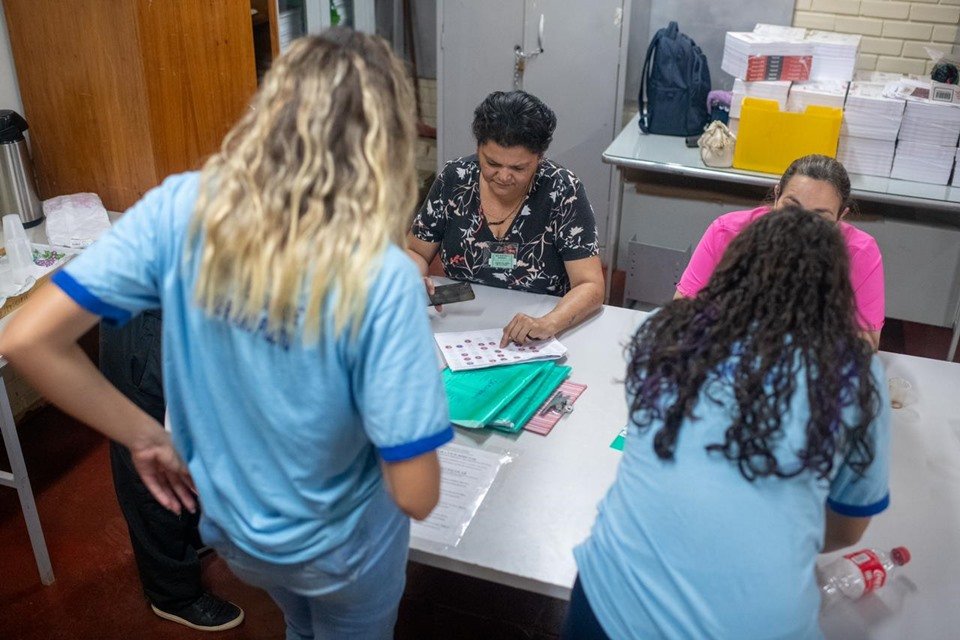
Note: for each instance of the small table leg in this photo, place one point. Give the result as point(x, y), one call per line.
point(952, 352)
point(18, 479)
point(613, 235)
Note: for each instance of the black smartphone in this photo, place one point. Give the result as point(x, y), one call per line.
point(449, 293)
point(692, 141)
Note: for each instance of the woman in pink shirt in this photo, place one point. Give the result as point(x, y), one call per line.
point(819, 184)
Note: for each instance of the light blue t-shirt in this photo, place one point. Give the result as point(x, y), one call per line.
point(691, 549)
point(282, 440)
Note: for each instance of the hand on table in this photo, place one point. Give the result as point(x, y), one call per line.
point(523, 329)
point(164, 473)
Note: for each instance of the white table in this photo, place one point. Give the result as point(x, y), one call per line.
point(658, 155)
point(924, 515)
point(543, 503)
point(17, 478)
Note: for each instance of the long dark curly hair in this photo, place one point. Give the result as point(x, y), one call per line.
point(779, 305)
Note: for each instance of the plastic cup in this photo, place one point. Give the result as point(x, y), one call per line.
point(17, 246)
point(901, 393)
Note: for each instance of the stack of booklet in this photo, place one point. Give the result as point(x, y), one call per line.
point(956, 171)
point(834, 55)
point(867, 113)
point(774, 90)
point(778, 90)
point(827, 93)
point(772, 52)
point(927, 142)
point(752, 56)
point(868, 134)
point(866, 156)
point(923, 162)
point(931, 123)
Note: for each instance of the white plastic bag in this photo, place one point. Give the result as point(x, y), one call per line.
point(716, 145)
point(76, 220)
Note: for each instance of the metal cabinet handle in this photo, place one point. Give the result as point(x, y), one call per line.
point(520, 57)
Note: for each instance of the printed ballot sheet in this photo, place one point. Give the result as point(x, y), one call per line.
point(464, 350)
point(466, 476)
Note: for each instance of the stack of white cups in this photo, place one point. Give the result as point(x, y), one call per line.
point(17, 246)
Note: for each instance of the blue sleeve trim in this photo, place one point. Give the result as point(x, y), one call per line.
point(82, 296)
point(413, 449)
point(859, 511)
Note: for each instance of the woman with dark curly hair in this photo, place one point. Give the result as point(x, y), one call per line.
point(758, 438)
point(509, 217)
point(819, 184)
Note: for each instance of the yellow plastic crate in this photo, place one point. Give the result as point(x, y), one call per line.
point(769, 140)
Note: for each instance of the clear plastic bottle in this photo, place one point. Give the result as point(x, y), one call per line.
point(858, 573)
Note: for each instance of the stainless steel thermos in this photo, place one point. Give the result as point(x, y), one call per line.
point(18, 191)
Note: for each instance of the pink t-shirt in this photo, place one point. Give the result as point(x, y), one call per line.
point(866, 265)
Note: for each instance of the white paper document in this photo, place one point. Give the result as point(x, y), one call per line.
point(480, 349)
point(466, 476)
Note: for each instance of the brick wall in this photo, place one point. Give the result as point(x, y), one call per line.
point(894, 32)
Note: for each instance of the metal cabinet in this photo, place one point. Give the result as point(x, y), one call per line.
point(573, 57)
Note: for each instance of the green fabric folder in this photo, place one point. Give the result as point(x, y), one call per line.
point(521, 408)
point(501, 397)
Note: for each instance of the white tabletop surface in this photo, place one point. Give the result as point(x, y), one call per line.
point(924, 515)
point(544, 502)
point(668, 154)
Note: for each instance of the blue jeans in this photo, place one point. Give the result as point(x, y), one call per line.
point(319, 598)
point(581, 623)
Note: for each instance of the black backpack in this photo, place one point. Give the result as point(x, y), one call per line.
point(676, 80)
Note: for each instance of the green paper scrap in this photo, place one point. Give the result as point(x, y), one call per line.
point(476, 396)
point(620, 440)
point(523, 405)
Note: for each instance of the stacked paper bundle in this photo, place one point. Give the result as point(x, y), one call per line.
point(827, 93)
point(772, 52)
point(752, 56)
point(834, 55)
point(777, 90)
point(956, 171)
point(866, 156)
point(867, 113)
point(930, 122)
point(869, 130)
point(927, 142)
point(922, 162)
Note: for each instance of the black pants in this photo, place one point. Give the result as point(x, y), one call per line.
point(581, 623)
point(164, 544)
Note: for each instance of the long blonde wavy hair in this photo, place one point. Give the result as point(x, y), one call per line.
point(309, 187)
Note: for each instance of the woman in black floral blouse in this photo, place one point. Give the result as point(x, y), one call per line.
point(509, 217)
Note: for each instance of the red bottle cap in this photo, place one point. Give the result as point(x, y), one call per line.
point(900, 555)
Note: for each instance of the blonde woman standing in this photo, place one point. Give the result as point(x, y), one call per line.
point(303, 398)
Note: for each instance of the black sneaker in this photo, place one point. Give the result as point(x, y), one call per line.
point(206, 613)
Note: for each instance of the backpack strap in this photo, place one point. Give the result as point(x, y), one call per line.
point(644, 77)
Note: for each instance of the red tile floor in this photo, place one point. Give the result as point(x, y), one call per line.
point(97, 593)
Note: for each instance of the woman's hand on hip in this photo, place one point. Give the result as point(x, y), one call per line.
point(164, 472)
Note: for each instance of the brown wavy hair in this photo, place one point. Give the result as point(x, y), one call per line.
point(778, 306)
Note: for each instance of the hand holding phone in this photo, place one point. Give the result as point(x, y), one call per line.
point(449, 293)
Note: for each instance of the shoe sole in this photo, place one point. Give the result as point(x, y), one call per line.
point(223, 627)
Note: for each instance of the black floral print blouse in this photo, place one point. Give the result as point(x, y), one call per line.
point(555, 224)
